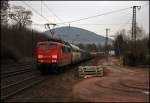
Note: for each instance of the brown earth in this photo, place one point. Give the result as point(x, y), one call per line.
point(119, 84)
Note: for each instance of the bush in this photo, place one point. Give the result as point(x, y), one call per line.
point(133, 59)
point(17, 44)
point(7, 52)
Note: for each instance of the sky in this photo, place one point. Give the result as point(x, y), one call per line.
point(64, 11)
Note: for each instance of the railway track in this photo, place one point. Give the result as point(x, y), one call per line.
point(13, 70)
point(13, 88)
point(9, 89)
point(16, 87)
point(16, 72)
point(16, 65)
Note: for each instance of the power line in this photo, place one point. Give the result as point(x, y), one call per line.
point(131, 19)
point(123, 26)
point(101, 24)
point(39, 14)
point(52, 12)
point(41, 7)
point(90, 16)
point(54, 15)
point(35, 10)
point(144, 5)
point(90, 24)
point(96, 15)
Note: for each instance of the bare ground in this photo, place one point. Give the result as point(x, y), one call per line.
point(119, 84)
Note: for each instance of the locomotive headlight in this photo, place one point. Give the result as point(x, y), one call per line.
point(40, 56)
point(54, 56)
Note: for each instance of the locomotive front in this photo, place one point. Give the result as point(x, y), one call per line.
point(47, 53)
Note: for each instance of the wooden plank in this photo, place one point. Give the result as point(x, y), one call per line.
point(85, 71)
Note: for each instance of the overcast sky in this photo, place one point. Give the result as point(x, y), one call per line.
point(74, 10)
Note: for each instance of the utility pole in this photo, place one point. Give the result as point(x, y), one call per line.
point(134, 28)
point(133, 45)
point(106, 43)
point(52, 30)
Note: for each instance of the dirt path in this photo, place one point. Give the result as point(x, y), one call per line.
point(120, 84)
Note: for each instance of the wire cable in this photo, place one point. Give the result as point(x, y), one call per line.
point(96, 15)
point(101, 24)
point(35, 10)
point(52, 12)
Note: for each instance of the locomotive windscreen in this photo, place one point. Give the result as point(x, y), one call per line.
point(42, 46)
point(52, 46)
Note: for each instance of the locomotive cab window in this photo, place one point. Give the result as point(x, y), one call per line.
point(52, 46)
point(42, 46)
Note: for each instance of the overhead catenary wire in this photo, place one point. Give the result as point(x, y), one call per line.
point(69, 22)
point(96, 15)
point(123, 25)
point(87, 17)
point(101, 24)
point(52, 12)
point(130, 20)
point(35, 11)
point(91, 24)
point(144, 5)
point(41, 7)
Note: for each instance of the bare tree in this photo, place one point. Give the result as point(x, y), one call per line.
point(120, 42)
point(123, 45)
point(21, 16)
point(140, 33)
point(4, 11)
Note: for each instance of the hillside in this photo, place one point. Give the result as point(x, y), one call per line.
point(78, 35)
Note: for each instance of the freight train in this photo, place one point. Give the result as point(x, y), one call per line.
point(56, 54)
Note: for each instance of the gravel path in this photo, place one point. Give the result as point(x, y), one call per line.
point(119, 84)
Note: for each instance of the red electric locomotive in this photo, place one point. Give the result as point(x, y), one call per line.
point(54, 54)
